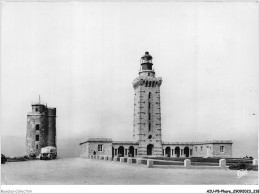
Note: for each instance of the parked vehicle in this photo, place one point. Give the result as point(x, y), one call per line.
point(3, 159)
point(48, 152)
point(32, 155)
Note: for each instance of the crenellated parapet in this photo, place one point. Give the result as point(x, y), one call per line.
point(147, 81)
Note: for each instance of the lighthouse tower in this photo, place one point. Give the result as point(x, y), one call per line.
point(147, 109)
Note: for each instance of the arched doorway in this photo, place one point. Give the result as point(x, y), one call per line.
point(121, 151)
point(186, 151)
point(94, 153)
point(150, 149)
point(177, 151)
point(131, 151)
point(168, 151)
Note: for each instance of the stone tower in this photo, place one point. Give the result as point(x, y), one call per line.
point(147, 109)
point(41, 128)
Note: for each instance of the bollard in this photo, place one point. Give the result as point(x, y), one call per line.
point(129, 160)
point(115, 159)
point(110, 158)
point(255, 162)
point(101, 157)
point(149, 163)
point(222, 163)
point(138, 161)
point(122, 159)
point(105, 157)
point(187, 163)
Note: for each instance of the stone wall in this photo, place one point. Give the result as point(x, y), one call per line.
point(90, 147)
point(227, 153)
point(31, 143)
point(51, 121)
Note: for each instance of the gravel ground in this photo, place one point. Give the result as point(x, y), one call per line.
point(78, 171)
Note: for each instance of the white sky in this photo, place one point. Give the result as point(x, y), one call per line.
point(82, 57)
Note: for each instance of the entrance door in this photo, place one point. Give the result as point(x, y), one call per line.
point(177, 151)
point(149, 149)
point(168, 151)
point(131, 151)
point(208, 151)
point(187, 152)
point(121, 151)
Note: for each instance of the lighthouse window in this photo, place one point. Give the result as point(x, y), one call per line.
point(221, 148)
point(149, 95)
point(100, 148)
point(149, 127)
point(37, 127)
point(37, 138)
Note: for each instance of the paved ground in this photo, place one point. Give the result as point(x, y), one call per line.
point(85, 171)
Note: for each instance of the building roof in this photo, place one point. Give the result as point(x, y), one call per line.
point(92, 139)
point(125, 142)
point(199, 143)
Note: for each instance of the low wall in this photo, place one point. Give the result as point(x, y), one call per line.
point(150, 163)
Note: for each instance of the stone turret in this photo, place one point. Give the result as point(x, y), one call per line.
point(41, 128)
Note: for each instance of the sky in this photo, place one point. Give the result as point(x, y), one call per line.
point(82, 57)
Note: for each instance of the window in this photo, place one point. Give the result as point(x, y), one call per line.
point(36, 109)
point(37, 126)
point(135, 151)
point(146, 83)
point(115, 151)
point(201, 148)
point(36, 147)
point(100, 148)
point(196, 149)
point(149, 95)
point(149, 127)
point(221, 148)
point(149, 137)
point(148, 74)
point(37, 138)
point(149, 116)
point(149, 105)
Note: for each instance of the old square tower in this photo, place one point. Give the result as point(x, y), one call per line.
point(41, 128)
point(147, 110)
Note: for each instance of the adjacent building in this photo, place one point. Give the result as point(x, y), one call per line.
point(147, 132)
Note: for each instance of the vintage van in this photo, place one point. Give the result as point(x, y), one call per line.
point(48, 152)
